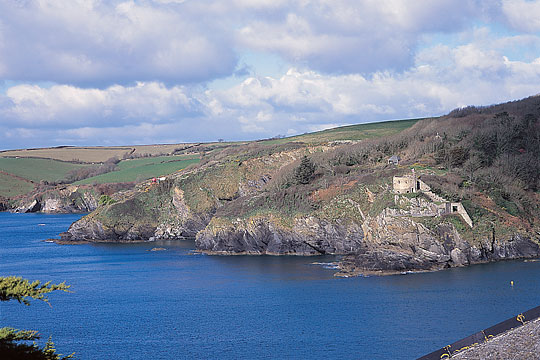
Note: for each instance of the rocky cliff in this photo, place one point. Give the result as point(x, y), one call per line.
point(4, 204)
point(373, 230)
point(268, 235)
point(64, 199)
point(381, 245)
point(327, 197)
point(155, 212)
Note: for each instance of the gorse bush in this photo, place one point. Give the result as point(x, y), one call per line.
point(105, 200)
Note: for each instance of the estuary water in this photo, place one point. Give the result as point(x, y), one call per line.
point(132, 303)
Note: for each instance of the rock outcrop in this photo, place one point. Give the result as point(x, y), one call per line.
point(265, 235)
point(4, 204)
point(239, 206)
point(33, 206)
point(160, 212)
point(381, 245)
point(397, 241)
point(64, 199)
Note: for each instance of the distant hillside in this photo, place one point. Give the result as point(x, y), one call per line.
point(27, 170)
point(332, 192)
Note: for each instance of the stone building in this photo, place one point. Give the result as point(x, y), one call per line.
point(408, 184)
point(412, 184)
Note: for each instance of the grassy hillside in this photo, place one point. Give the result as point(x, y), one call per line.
point(11, 186)
point(72, 154)
point(146, 161)
point(142, 169)
point(351, 132)
point(37, 169)
point(486, 158)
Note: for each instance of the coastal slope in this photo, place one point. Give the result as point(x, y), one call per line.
point(475, 196)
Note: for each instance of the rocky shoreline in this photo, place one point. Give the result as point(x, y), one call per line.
point(384, 245)
point(390, 241)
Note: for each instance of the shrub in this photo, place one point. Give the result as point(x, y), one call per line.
point(304, 172)
point(106, 200)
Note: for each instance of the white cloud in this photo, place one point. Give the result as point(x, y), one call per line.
point(145, 71)
point(346, 36)
point(94, 42)
point(298, 101)
point(31, 105)
point(100, 43)
point(522, 15)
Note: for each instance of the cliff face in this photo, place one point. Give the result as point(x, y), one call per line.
point(148, 213)
point(398, 244)
point(373, 233)
point(179, 206)
point(268, 199)
point(266, 235)
point(69, 199)
point(4, 204)
point(381, 245)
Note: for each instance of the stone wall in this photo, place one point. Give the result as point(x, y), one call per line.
point(411, 184)
point(452, 208)
point(404, 184)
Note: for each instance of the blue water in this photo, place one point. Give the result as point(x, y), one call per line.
point(130, 303)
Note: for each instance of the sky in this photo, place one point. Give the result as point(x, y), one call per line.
point(96, 72)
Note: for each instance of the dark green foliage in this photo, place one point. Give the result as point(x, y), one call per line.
point(452, 157)
point(20, 351)
point(106, 200)
point(17, 288)
point(304, 172)
point(291, 200)
point(475, 211)
point(10, 334)
point(504, 200)
point(91, 171)
point(351, 158)
point(458, 155)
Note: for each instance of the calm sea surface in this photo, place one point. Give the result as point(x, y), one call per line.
point(131, 303)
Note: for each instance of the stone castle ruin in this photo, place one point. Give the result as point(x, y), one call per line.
point(412, 184)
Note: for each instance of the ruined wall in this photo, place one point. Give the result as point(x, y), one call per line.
point(410, 183)
point(404, 184)
point(456, 207)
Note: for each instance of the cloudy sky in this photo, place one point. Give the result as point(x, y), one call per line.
point(97, 72)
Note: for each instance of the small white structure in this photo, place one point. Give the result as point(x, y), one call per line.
point(394, 160)
point(457, 208)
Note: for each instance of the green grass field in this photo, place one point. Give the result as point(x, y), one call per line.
point(11, 186)
point(142, 169)
point(351, 132)
point(37, 169)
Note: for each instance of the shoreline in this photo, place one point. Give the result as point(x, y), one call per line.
point(342, 268)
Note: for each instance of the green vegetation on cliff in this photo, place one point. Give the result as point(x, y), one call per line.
point(142, 169)
point(315, 195)
point(11, 186)
point(37, 169)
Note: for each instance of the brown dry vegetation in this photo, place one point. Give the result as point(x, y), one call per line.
point(98, 154)
point(487, 158)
